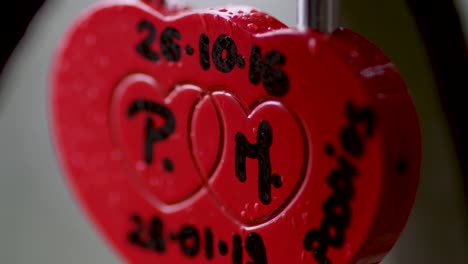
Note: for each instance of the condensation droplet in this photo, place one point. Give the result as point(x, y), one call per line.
point(354, 54)
point(114, 198)
point(78, 87)
point(99, 119)
point(140, 166)
point(349, 249)
point(92, 93)
point(293, 223)
point(103, 61)
point(90, 40)
point(312, 46)
point(156, 181)
point(381, 96)
point(247, 207)
point(257, 207)
point(78, 159)
point(116, 155)
point(306, 218)
point(252, 26)
point(284, 217)
point(244, 214)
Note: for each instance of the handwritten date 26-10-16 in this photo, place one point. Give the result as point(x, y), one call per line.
point(223, 53)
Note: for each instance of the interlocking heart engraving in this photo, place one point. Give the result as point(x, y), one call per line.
point(209, 124)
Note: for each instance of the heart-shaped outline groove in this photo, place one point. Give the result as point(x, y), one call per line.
point(249, 112)
point(152, 83)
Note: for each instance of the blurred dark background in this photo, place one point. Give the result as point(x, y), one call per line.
point(40, 221)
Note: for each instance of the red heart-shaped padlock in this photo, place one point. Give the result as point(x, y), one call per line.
point(222, 136)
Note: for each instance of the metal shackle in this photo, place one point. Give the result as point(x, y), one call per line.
point(321, 15)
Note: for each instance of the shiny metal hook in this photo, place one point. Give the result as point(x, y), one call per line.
point(321, 15)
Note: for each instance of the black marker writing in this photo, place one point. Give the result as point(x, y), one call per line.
point(225, 55)
point(209, 247)
point(337, 213)
point(361, 126)
point(170, 49)
point(155, 240)
point(204, 46)
point(190, 242)
point(144, 48)
point(337, 208)
point(266, 70)
point(256, 249)
point(261, 152)
point(237, 257)
point(152, 134)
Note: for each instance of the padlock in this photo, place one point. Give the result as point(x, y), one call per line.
point(223, 136)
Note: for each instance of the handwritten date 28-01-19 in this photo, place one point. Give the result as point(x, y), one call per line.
point(152, 236)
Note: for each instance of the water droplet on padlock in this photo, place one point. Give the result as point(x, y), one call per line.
point(140, 166)
point(244, 214)
point(257, 207)
point(293, 223)
point(90, 40)
point(252, 27)
point(306, 218)
point(103, 61)
point(116, 155)
point(312, 46)
point(114, 198)
point(155, 181)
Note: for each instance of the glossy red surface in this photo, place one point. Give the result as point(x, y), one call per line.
point(345, 138)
